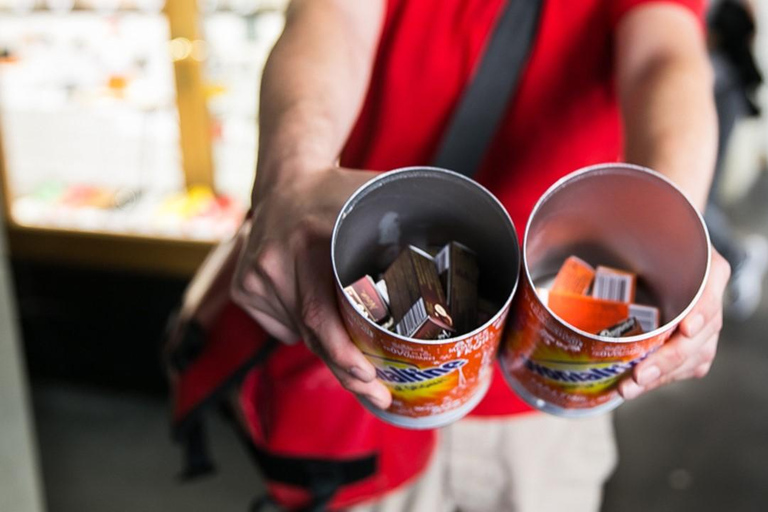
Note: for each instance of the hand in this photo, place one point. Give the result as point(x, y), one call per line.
point(285, 278)
point(691, 350)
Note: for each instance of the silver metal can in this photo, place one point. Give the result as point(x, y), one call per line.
point(433, 382)
point(617, 215)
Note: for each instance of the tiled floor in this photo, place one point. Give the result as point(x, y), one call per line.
point(107, 451)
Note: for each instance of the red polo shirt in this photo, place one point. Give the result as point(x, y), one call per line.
point(564, 115)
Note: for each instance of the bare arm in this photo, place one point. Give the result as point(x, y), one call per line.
point(666, 92)
point(313, 87)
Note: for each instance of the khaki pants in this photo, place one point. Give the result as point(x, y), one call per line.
point(530, 463)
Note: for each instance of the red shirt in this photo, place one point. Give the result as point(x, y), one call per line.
point(564, 114)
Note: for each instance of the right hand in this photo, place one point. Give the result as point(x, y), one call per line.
point(285, 278)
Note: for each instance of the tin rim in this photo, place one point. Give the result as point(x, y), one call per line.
point(396, 174)
point(623, 167)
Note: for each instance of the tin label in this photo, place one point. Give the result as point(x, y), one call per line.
point(431, 378)
point(560, 366)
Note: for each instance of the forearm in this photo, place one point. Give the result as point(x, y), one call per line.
point(313, 85)
point(670, 121)
point(671, 126)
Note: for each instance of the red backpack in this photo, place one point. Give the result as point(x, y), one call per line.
point(315, 445)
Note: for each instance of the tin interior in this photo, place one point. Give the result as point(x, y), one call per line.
point(629, 218)
point(426, 207)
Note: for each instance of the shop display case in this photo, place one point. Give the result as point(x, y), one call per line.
point(128, 127)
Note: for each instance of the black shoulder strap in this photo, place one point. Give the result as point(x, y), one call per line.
point(484, 102)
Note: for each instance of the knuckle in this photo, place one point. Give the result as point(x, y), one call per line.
point(311, 228)
point(676, 356)
point(702, 371)
point(309, 225)
point(708, 353)
point(717, 321)
point(336, 354)
point(268, 259)
point(348, 383)
point(725, 269)
point(252, 284)
point(313, 314)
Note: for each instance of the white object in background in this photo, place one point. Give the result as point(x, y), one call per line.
point(60, 6)
point(104, 6)
point(747, 152)
point(208, 6)
point(243, 7)
point(761, 53)
point(744, 159)
point(23, 6)
point(150, 6)
point(20, 481)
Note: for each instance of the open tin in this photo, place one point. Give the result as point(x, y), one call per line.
point(433, 382)
point(618, 215)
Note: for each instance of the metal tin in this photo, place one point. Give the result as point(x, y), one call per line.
point(433, 382)
point(618, 215)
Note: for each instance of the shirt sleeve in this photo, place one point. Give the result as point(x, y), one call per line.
point(618, 8)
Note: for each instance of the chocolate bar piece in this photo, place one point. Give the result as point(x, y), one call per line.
point(593, 315)
point(585, 312)
point(648, 316)
point(365, 295)
point(485, 310)
point(628, 327)
point(416, 296)
point(457, 267)
point(574, 276)
point(613, 284)
point(381, 285)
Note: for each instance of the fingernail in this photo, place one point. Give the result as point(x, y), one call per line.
point(695, 325)
point(630, 390)
point(648, 375)
point(377, 401)
point(363, 375)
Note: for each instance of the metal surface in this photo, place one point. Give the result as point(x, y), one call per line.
point(616, 215)
point(426, 207)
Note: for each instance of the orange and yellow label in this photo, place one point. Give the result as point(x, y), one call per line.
point(426, 378)
point(558, 365)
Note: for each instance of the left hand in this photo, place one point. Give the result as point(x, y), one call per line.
point(691, 350)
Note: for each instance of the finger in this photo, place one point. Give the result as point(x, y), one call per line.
point(275, 327)
point(276, 269)
point(374, 391)
point(259, 298)
point(697, 366)
point(675, 353)
point(320, 321)
point(704, 357)
point(710, 304)
point(702, 370)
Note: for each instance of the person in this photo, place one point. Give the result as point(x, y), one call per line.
point(354, 88)
point(737, 77)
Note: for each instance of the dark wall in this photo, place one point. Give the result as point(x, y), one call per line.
point(93, 326)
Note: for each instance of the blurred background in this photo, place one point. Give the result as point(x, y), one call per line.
point(127, 149)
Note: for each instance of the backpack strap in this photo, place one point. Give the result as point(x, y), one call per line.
point(321, 477)
point(485, 101)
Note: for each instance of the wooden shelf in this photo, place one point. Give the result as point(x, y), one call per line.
point(115, 251)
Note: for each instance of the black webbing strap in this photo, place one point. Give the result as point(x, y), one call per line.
point(485, 100)
point(321, 477)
